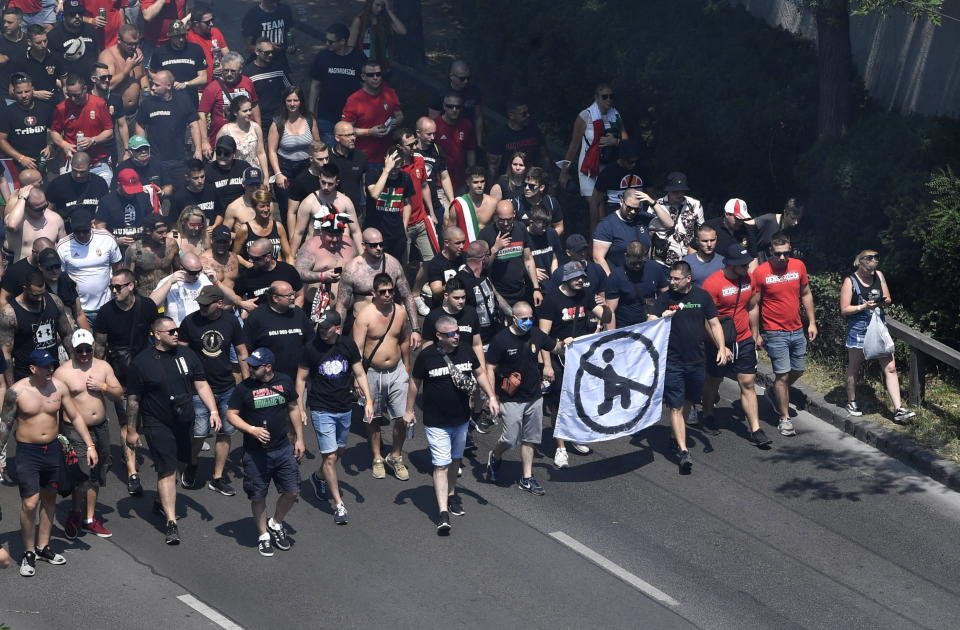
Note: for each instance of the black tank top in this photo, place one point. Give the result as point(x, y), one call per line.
point(273, 237)
point(508, 190)
point(35, 331)
point(859, 298)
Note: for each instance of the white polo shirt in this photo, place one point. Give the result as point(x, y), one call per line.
point(90, 265)
point(182, 297)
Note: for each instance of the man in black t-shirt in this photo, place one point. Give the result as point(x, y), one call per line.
point(160, 385)
point(77, 190)
point(195, 190)
point(12, 284)
point(185, 61)
point(438, 177)
point(519, 134)
point(446, 409)
point(166, 117)
point(388, 210)
point(308, 181)
point(448, 263)
point(74, 41)
point(334, 75)
point(333, 364)
point(13, 43)
point(252, 282)
point(280, 326)
point(694, 314)
point(513, 360)
point(512, 267)
point(141, 160)
point(264, 407)
point(470, 95)
point(490, 306)
point(225, 172)
point(212, 332)
point(40, 64)
point(268, 72)
point(270, 20)
point(122, 210)
point(352, 163)
point(24, 124)
point(455, 305)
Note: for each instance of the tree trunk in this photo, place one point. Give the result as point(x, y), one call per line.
point(835, 65)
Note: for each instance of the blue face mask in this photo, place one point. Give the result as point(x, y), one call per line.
point(524, 324)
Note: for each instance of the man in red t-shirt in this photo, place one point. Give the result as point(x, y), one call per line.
point(736, 297)
point(457, 140)
point(214, 101)
point(421, 230)
point(157, 17)
point(783, 286)
point(374, 111)
point(88, 115)
point(208, 37)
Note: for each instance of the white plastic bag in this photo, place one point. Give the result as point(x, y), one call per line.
point(877, 342)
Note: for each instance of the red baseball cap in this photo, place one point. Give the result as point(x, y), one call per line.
point(129, 181)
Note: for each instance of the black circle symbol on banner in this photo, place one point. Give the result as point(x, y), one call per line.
point(615, 385)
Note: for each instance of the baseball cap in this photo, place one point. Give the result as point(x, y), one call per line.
point(176, 28)
point(72, 7)
point(260, 356)
point(82, 336)
point(226, 142)
point(129, 181)
point(209, 294)
point(329, 319)
point(222, 233)
point(576, 243)
point(47, 257)
point(573, 270)
point(676, 182)
point(41, 358)
point(137, 142)
point(738, 208)
point(736, 254)
point(252, 175)
point(628, 150)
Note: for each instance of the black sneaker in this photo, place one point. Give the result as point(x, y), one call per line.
point(134, 488)
point(469, 446)
point(279, 537)
point(455, 505)
point(493, 468)
point(28, 565)
point(902, 414)
point(265, 547)
point(709, 424)
point(173, 533)
point(759, 438)
point(319, 485)
point(222, 485)
point(340, 516)
point(484, 422)
point(49, 555)
point(686, 464)
point(6, 479)
point(443, 525)
point(188, 478)
point(531, 485)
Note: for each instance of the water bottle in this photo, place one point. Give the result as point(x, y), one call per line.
point(410, 431)
point(80, 137)
point(217, 54)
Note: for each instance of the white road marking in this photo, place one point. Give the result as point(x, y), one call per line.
point(208, 612)
point(614, 568)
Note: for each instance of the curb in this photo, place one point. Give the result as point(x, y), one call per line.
point(885, 440)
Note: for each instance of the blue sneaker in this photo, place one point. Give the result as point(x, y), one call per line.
point(493, 468)
point(531, 485)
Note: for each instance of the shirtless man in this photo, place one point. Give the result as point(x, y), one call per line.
point(241, 210)
point(473, 211)
point(380, 331)
point(34, 403)
point(88, 381)
point(320, 262)
point(29, 218)
point(219, 262)
point(125, 61)
point(356, 282)
point(322, 202)
point(151, 258)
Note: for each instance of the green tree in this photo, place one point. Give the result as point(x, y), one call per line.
point(834, 55)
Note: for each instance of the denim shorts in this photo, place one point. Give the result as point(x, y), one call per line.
point(332, 429)
point(787, 350)
point(201, 421)
point(446, 443)
point(683, 381)
point(260, 467)
point(857, 329)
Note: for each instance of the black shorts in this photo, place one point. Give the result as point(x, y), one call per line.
point(38, 466)
point(744, 359)
point(682, 382)
point(260, 467)
point(168, 444)
point(101, 440)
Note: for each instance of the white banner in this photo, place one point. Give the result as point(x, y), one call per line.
point(613, 383)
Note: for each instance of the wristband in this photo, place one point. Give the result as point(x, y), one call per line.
point(538, 289)
point(416, 330)
point(103, 386)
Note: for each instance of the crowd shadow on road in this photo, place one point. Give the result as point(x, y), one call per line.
point(243, 531)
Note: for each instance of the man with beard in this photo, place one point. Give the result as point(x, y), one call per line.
point(374, 110)
point(77, 190)
point(90, 382)
point(628, 289)
point(24, 125)
point(178, 292)
point(83, 122)
point(322, 202)
point(512, 267)
point(34, 320)
point(218, 95)
point(40, 64)
point(29, 217)
point(320, 263)
point(196, 190)
point(281, 326)
point(74, 41)
point(151, 257)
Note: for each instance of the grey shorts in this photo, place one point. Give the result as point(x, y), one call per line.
point(522, 422)
point(101, 440)
point(389, 391)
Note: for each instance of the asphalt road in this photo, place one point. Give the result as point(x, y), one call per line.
point(820, 531)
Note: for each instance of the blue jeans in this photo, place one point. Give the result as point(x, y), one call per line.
point(333, 429)
point(787, 350)
point(201, 422)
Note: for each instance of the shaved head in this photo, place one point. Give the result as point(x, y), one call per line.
point(426, 125)
point(80, 159)
point(505, 209)
point(452, 233)
point(372, 235)
point(29, 176)
point(36, 198)
point(343, 128)
point(164, 76)
point(260, 247)
point(522, 309)
point(459, 67)
point(41, 244)
point(190, 262)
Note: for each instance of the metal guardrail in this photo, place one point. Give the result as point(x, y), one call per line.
point(921, 346)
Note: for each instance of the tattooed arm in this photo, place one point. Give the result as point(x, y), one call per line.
point(345, 292)
point(133, 411)
point(8, 415)
point(8, 324)
point(304, 265)
point(64, 326)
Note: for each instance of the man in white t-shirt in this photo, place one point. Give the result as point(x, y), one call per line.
point(178, 292)
point(89, 256)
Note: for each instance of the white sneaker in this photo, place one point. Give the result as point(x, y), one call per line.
point(560, 459)
point(583, 449)
point(786, 427)
point(422, 307)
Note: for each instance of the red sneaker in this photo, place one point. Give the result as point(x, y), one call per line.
point(71, 529)
point(97, 528)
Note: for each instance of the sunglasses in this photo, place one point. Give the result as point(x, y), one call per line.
point(380, 244)
point(192, 272)
point(286, 295)
point(51, 267)
point(207, 22)
point(785, 254)
point(631, 208)
point(117, 287)
point(452, 106)
point(170, 331)
point(105, 77)
point(870, 257)
point(530, 185)
point(605, 97)
point(384, 291)
point(465, 77)
point(373, 74)
point(266, 52)
point(84, 349)
point(449, 335)
point(256, 259)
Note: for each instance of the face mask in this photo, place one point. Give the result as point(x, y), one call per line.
point(524, 324)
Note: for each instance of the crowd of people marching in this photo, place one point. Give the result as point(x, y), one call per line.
point(199, 245)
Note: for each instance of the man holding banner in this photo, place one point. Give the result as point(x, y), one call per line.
point(692, 311)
